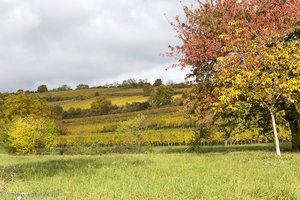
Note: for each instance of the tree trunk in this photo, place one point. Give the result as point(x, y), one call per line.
point(275, 134)
point(292, 117)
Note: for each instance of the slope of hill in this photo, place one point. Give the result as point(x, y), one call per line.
point(164, 126)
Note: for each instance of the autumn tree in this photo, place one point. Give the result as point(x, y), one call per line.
point(267, 75)
point(23, 105)
point(27, 123)
point(214, 30)
point(26, 135)
point(102, 105)
point(161, 96)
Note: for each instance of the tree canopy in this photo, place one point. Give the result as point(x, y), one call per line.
point(241, 51)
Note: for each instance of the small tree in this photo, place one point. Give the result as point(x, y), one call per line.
point(134, 127)
point(161, 96)
point(20, 91)
point(157, 82)
point(102, 106)
point(42, 88)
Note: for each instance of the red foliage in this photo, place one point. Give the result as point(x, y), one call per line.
point(200, 33)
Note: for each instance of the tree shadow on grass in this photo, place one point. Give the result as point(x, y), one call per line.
point(68, 167)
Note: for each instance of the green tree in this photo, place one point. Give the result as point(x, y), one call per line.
point(157, 82)
point(161, 95)
point(134, 127)
point(42, 88)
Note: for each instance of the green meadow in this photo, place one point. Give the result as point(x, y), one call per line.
point(167, 173)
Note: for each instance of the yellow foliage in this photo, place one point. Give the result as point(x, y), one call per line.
point(30, 133)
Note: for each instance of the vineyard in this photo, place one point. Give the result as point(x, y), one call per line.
point(165, 125)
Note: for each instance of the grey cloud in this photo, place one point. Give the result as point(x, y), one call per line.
point(84, 41)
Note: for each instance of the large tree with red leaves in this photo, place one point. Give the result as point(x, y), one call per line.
point(213, 30)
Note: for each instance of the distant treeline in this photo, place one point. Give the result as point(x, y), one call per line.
point(129, 83)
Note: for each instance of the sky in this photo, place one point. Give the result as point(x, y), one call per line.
point(95, 42)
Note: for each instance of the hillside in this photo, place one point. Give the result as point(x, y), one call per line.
point(164, 125)
point(83, 98)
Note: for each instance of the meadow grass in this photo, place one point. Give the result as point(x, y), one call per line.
point(247, 174)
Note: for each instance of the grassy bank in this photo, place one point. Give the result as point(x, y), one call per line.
point(235, 174)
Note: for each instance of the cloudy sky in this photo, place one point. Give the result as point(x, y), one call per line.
point(57, 42)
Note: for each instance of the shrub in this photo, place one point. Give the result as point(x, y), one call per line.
point(75, 112)
point(135, 106)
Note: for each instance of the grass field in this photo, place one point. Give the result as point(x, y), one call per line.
point(255, 174)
